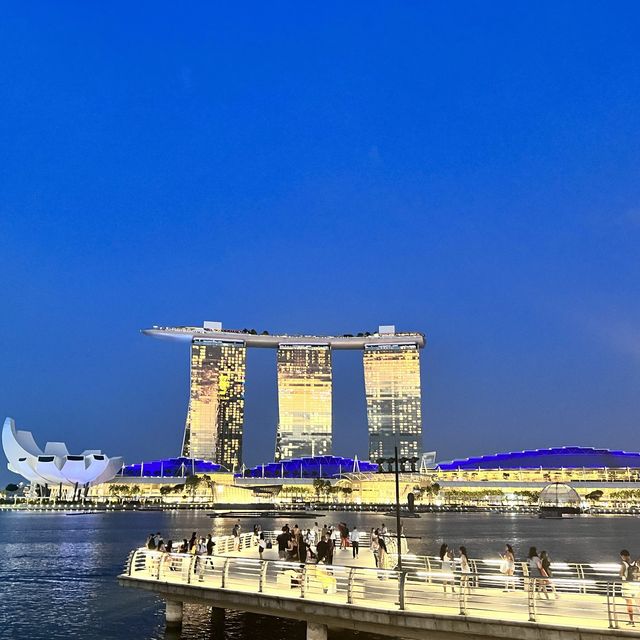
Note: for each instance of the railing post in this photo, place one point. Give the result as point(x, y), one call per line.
point(402, 578)
point(427, 563)
point(609, 612)
point(531, 598)
point(350, 586)
point(192, 562)
point(263, 575)
point(163, 557)
point(613, 620)
point(474, 572)
point(462, 596)
point(225, 571)
point(303, 579)
point(583, 586)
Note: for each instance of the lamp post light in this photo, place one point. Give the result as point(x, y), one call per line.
point(398, 523)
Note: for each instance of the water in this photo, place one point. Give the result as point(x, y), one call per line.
point(58, 572)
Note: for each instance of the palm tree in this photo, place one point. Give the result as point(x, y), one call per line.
point(191, 484)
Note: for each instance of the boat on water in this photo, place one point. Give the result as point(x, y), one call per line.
point(267, 514)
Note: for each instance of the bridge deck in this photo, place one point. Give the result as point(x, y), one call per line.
point(410, 601)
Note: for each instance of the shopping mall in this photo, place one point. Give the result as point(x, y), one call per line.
point(602, 478)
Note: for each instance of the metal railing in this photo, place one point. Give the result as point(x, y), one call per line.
point(585, 576)
point(493, 596)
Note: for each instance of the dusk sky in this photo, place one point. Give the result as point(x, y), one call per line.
point(468, 170)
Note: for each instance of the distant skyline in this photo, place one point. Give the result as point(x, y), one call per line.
point(471, 171)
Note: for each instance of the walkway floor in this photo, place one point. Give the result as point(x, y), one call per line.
point(341, 557)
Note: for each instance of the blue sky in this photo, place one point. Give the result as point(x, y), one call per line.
point(470, 170)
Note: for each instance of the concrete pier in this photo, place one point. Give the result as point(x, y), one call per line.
point(316, 631)
point(173, 613)
point(415, 603)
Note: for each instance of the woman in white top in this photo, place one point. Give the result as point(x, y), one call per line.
point(374, 545)
point(448, 566)
point(262, 543)
point(465, 569)
point(508, 567)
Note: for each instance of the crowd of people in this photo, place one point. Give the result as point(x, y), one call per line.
point(315, 544)
point(195, 545)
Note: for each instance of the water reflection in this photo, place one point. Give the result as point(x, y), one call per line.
point(58, 573)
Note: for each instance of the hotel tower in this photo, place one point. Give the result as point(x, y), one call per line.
point(215, 417)
point(213, 430)
point(304, 401)
point(392, 388)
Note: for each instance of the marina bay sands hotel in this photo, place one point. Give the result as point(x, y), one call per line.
point(215, 418)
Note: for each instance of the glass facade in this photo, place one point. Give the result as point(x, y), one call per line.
point(216, 403)
point(304, 401)
point(392, 387)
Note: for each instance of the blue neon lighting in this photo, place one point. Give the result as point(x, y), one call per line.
point(553, 458)
point(170, 468)
point(318, 467)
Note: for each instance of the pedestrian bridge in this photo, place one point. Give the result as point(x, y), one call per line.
point(418, 602)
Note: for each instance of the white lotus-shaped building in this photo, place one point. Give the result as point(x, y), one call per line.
point(54, 465)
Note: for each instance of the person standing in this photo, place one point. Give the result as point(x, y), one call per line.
point(629, 576)
point(300, 547)
point(235, 532)
point(536, 572)
point(447, 566)
point(545, 561)
point(508, 567)
point(283, 543)
point(465, 569)
point(210, 544)
point(355, 541)
point(375, 546)
point(200, 551)
point(262, 543)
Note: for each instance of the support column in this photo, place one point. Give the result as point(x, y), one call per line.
point(173, 613)
point(217, 622)
point(316, 631)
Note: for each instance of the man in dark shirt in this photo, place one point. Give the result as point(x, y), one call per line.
point(210, 545)
point(324, 550)
point(283, 543)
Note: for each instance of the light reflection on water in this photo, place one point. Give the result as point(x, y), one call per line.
point(57, 572)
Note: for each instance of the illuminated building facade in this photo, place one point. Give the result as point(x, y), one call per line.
point(392, 387)
point(216, 402)
point(216, 406)
point(304, 401)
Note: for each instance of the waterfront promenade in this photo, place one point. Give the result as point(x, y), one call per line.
point(412, 603)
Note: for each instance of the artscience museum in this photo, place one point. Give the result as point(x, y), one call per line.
point(55, 466)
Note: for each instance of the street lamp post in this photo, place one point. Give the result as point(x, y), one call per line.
point(398, 523)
